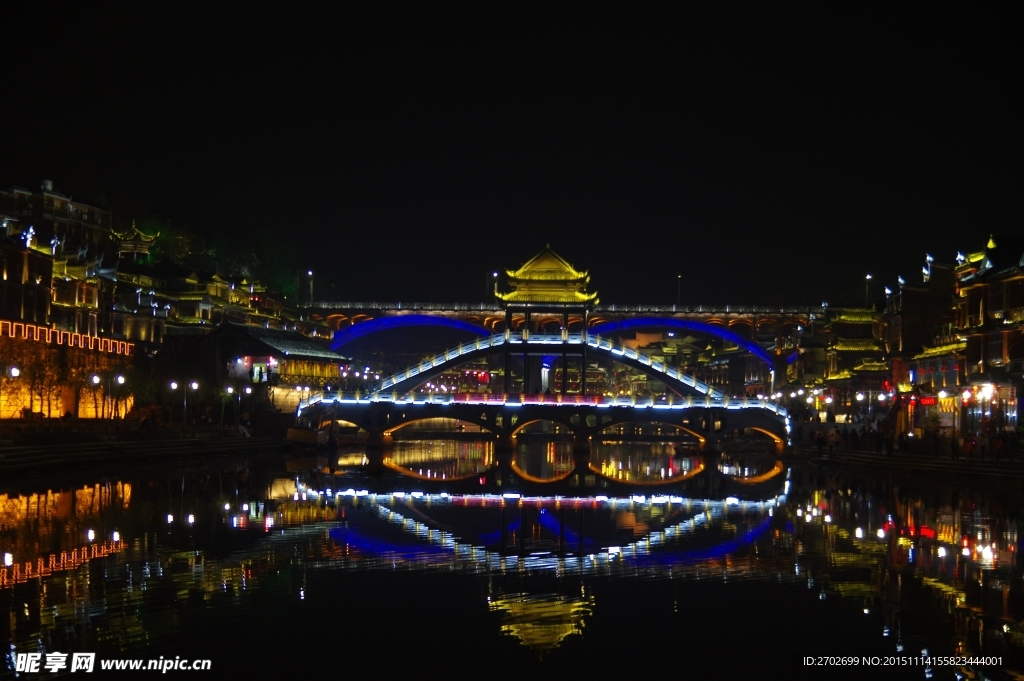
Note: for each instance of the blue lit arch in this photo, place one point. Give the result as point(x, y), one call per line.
point(363, 329)
point(700, 327)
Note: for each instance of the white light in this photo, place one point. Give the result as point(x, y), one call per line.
point(174, 386)
point(170, 518)
point(987, 553)
point(8, 560)
point(227, 507)
point(117, 536)
point(194, 385)
point(732, 501)
point(943, 394)
point(881, 533)
point(859, 533)
point(230, 390)
point(95, 380)
point(191, 519)
point(860, 397)
point(966, 551)
point(881, 397)
point(828, 518)
point(245, 507)
point(91, 535)
point(799, 512)
point(942, 552)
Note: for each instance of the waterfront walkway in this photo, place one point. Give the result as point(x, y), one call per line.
point(989, 468)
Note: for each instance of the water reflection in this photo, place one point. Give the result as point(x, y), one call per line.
point(644, 462)
point(542, 621)
point(442, 459)
point(916, 566)
point(543, 461)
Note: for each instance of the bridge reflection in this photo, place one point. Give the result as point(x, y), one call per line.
point(554, 468)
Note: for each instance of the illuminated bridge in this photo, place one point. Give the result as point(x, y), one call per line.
point(692, 407)
point(541, 344)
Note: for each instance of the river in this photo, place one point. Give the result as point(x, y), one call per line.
point(263, 566)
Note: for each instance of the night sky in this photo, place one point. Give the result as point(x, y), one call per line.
point(769, 159)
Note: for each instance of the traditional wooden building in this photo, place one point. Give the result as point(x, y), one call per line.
point(547, 295)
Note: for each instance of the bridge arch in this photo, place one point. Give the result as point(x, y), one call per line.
point(614, 423)
point(680, 383)
point(719, 330)
point(361, 330)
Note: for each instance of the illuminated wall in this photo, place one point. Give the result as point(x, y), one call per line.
point(50, 372)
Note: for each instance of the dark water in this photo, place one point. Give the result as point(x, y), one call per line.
point(280, 585)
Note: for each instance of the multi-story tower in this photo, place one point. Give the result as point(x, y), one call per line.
point(548, 295)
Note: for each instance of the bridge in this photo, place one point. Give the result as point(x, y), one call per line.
point(706, 418)
point(691, 406)
point(547, 317)
point(547, 344)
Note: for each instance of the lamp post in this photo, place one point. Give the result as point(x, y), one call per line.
point(115, 410)
point(679, 289)
point(103, 405)
point(12, 372)
point(184, 401)
point(867, 282)
point(310, 273)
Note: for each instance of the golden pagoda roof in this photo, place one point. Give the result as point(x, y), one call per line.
point(548, 278)
point(855, 344)
point(942, 350)
point(547, 266)
point(855, 317)
point(871, 365)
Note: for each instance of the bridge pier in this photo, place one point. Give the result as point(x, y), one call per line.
point(581, 453)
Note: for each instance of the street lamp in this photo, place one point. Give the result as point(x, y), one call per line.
point(184, 400)
point(679, 289)
point(867, 282)
point(310, 273)
point(116, 410)
point(13, 372)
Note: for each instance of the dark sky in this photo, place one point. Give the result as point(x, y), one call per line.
point(769, 159)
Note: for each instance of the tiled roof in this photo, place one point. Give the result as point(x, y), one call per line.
point(942, 350)
point(290, 344)
point(856, 344)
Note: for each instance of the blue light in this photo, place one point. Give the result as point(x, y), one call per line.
point(609, 327)
point(391, 323)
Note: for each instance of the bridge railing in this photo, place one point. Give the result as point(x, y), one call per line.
point(492, 306)
point(527, 338)
point(518, 399)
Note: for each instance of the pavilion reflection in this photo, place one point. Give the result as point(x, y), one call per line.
point(542, 621)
